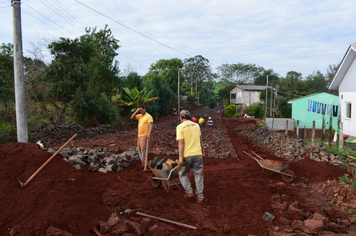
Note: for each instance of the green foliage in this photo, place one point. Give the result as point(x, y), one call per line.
point(133, 98)
point(88, 107)
point(345, 179)
point(239, 109)
point(81, 71)
point(236, 116)
point(255, 110)
point(7, 94)
point(167, 70)
point(224, 93)
point(167, 98)
point(230, 110)
point(6, 126)
point(239, 73)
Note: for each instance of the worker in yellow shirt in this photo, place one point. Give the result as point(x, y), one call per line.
point(145, 125)
point(191, 156)
point(201, 121)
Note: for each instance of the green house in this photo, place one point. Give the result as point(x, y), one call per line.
point(313, 108)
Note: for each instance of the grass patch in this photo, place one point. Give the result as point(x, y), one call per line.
point(345, 179)
point(5, 126)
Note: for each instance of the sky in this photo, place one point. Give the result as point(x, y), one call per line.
point(294, 35)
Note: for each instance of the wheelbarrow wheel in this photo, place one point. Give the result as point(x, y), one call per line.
point(156, 183)
point(288, 178)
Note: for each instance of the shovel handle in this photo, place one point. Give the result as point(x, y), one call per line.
point(44, 164)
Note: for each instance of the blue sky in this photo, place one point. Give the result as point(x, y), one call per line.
point(303, 36)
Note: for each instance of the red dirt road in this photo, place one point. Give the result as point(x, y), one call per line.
point(237, 193)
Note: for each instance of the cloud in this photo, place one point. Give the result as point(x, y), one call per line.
point(303, 36)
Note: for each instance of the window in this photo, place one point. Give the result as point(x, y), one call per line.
point(348, 110)
point(233, 96)
point(239, 94)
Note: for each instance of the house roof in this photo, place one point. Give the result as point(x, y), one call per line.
point(310, 95)
point(252, 87)
point(344, 67)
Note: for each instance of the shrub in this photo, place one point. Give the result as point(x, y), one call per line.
point(256, 111)
point(236, 116)
point(230, 110)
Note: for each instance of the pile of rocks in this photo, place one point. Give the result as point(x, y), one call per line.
point(99, 159)
point(315, 222)
point(287, 147)
point(61, 133)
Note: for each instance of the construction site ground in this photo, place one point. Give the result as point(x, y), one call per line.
point(237, 193)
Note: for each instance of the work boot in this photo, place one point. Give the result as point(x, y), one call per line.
point(199, 200)
point(189, 195)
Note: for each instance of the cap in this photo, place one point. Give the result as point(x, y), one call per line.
point(184, 113)
point(209, 118)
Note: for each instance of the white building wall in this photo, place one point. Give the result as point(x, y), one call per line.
point(348, 83)
point(349, 124)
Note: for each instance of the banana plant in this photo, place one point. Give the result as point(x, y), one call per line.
point(133, 98)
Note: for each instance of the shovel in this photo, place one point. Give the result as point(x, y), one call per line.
point(23, 185)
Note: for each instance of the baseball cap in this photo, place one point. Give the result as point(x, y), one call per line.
point(209, 118)
point(184, 113)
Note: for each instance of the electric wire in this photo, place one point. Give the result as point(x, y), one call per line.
point(129, 21)
point(48, 19)
point(49, 5)
point(59, 4)
point(133, 29)
point(141, 24)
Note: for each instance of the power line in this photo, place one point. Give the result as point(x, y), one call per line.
point(47, 18)
point(70, 14)
point(59, 13)
point(133, 29)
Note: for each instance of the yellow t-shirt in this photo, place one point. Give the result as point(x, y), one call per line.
point(201, 120)
point(190, 132)
point(143, 124)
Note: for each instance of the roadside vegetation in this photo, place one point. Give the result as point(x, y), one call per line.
point(84, 84)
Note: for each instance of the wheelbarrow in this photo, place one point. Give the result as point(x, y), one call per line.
point(166, 178)
point(275, 166)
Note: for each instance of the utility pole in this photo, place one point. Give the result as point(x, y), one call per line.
point(270, 110)
point(20, 98)
point(266, 99)
point(179, 69)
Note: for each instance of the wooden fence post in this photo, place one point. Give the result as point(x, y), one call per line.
point(297, 129)
point(313, 132)
point(287, 127)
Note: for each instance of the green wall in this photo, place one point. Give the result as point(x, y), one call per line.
point(311, 108)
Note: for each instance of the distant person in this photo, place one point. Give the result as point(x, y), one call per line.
point(145, 125)
point(191, 156)
point(201, 121)
point(210, 122)
point(194, 119)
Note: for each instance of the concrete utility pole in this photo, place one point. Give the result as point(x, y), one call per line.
point(20, 98)
point(266, 98)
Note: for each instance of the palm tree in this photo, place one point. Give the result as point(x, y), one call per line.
point(134, 98)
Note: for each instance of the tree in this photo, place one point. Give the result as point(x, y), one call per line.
point(167, 98)
point(273, 78)
point(82, 68)
point(224, 93)
point(197, 70)
point(167, 70)
point(134, 98)
point(7, 93)
point(331, 72)
point(239, 73)
point(316, 83)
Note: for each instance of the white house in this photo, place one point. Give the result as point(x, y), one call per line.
point(345, 82)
